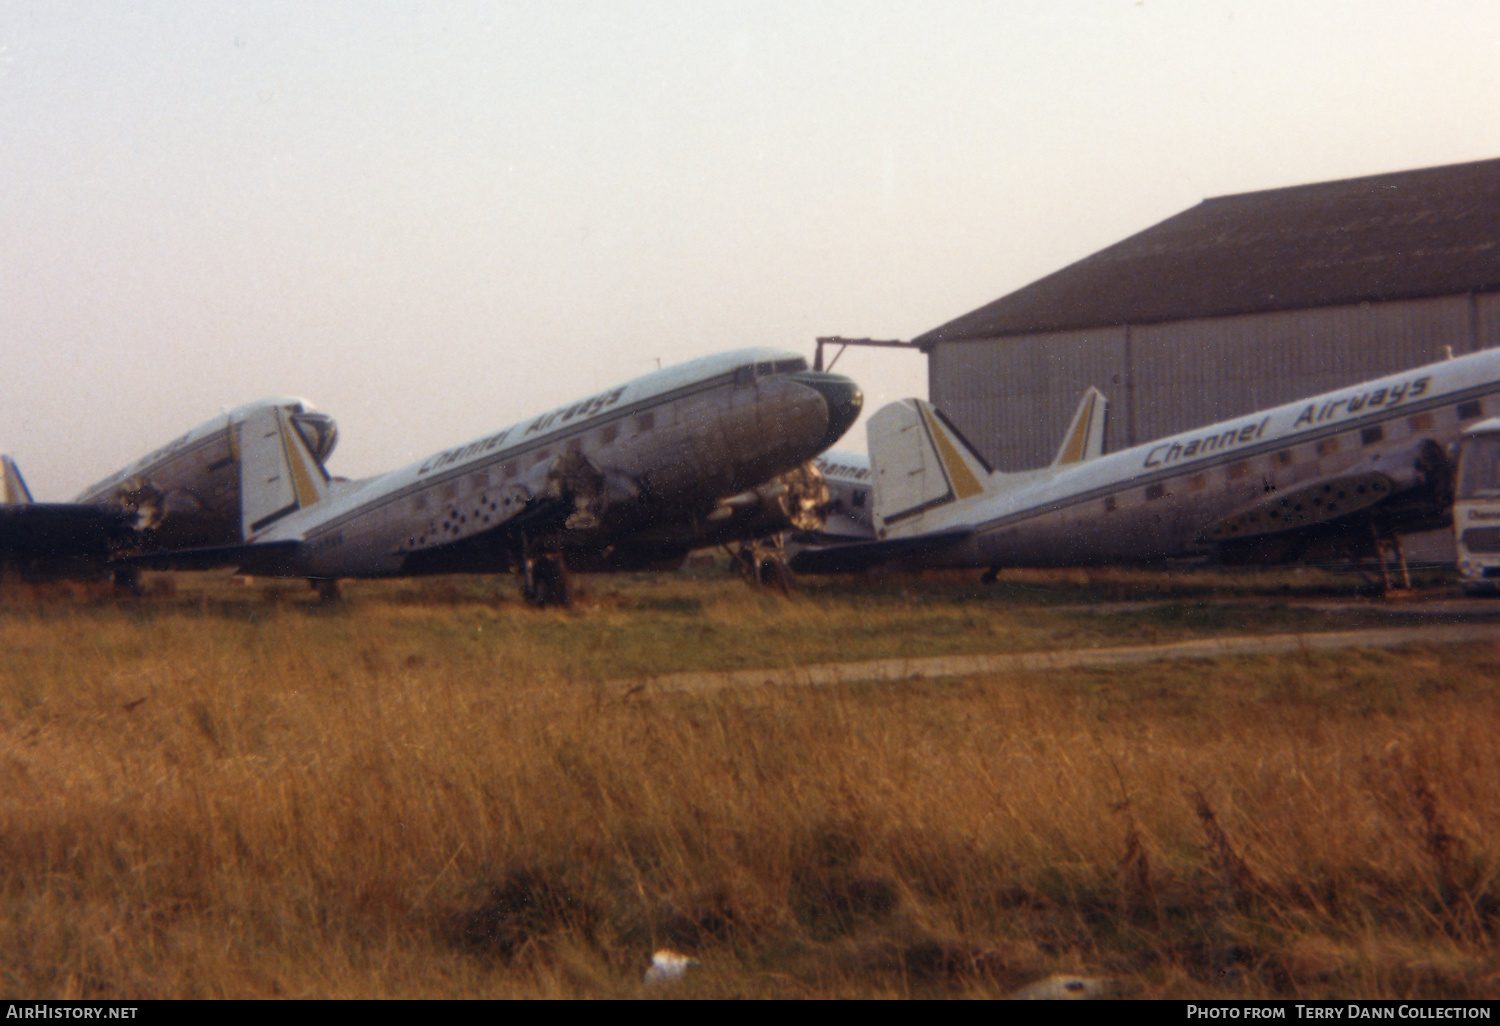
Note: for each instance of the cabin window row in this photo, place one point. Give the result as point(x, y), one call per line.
point(1417, 423)
point(480, 480)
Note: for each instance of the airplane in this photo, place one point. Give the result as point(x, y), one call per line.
point(847, 511)
point(634, 477)
point(843, 515)
point(1337, 475)
point(185, 494)
point(46, 540)
point(849, 515)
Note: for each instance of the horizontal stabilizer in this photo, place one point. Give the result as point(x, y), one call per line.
point(857, 556)
point(13, 490)
point(272, 559)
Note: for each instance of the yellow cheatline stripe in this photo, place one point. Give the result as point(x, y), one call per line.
point(1078, 440)
point(12, 489)
point(307, 493)
point(965, 484)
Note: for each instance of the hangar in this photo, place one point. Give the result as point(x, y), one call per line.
point(1239, 303)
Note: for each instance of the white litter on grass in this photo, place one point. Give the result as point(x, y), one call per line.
point(667, 967)
point(1068, 988)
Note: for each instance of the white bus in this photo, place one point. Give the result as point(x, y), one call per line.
point(1476, 508)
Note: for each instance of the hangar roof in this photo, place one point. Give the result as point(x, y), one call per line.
point(1430, 232)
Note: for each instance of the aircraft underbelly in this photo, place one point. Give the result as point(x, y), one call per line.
point(1183, 518)
point(1088, 533)
point(384, 541)
point(351, 556)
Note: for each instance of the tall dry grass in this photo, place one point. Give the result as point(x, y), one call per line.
point(269, 798)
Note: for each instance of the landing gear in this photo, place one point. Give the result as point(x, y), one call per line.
point(1400, 552)
point(544, 578)
point(127, 582)
point(544, 581)
point(1388, 551)
point(327, 589)
point(774, 572)
point(764, 563)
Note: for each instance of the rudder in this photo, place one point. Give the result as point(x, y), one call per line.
point(278, 474)
point(920, 462)
point(1084, 439)
point(13, 490)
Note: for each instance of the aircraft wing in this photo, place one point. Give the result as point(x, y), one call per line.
point(1412, 490)
point(857, 556)
point(39, 534)
point(269, 559)
point(36, 535)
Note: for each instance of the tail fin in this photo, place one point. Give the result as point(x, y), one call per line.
point(278, 473)
point(1085, 438)
point(13, 490)
point(921, 462)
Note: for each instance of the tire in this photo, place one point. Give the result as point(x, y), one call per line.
point(549, 584)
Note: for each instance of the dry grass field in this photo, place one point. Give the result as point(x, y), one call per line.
point(426, 791)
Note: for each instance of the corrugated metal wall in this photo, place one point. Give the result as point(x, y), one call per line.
point(1013, 397)
point(1196, 372)
point(1487, 318)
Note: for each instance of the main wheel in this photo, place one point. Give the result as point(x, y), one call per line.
point(546, 583)
point(773, 572)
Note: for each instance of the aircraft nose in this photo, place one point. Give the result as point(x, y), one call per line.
point(843, 397)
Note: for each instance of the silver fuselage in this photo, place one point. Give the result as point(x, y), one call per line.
point(187, 493)
point(849, 513)
point(1189, 494)
point(659, 452)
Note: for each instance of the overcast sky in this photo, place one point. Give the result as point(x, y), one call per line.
point(435, 219)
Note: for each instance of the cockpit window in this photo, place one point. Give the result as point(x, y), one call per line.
point(319, 433)
point(747, 374)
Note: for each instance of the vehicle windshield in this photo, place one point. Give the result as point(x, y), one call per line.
point(1479, 468)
